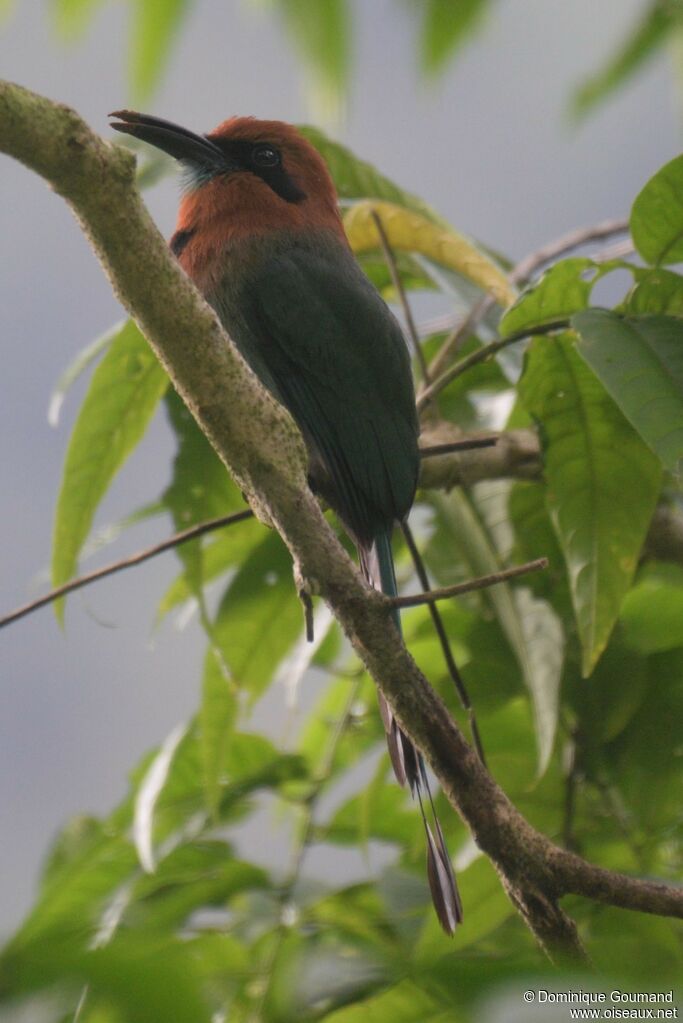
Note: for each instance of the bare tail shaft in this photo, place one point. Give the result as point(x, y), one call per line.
point(377, 566)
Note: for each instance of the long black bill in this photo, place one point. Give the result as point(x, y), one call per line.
point(178, 142)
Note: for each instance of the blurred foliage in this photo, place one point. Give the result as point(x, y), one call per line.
point(575, 674)
point(658, 27)
point(322, 34)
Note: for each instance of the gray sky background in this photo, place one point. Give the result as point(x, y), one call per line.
point(490, 146)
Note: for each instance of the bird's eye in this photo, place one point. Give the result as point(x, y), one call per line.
point(265, 156)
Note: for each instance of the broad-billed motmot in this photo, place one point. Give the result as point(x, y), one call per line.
point(259, 233)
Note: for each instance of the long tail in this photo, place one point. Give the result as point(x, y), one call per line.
point(377, 565)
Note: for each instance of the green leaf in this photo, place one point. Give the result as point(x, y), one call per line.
point(646, 757)
point(652, 616)
point(111, 531)
point(148, 979)
point(72, 17)
point(247, 762)
point(648, 36)
point(508, 732)
point(616, 692)
point(194, 876)
point(560, 291)
point(445, 28)
point(602, 485)
point(154, 26)
point(123, 394)
point(202, 771)
point(76, 836)
point(407, 1002)
point(322, 34)
point(320, 728)
point(408, 231)
point(655, 291)
point(485, 907)
point(148, 793)
point(77, 890)
point(357, 911)
point(218, 556)
point(217, 717)
point(357, 179)
point(491, 672)
point(657, 216)
point(535, 538)
point(640, 363)
point(456, 402)
point(250, 755)
point(259, 617)
point(200, 489)
point(531, 628)
point(221, 960)
point(305, 973)
point(655, 966)
point(76, 367)
point(381, 811)
point(413, 273)
point(178, 796)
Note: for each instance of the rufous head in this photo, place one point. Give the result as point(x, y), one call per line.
point(248, 176)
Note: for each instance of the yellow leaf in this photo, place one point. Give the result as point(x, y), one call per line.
point(408, 231)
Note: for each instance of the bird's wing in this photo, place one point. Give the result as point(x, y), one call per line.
point(339, 362)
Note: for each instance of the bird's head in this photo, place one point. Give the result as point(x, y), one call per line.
point(247, 175)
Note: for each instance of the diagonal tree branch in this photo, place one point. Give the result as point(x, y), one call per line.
point(258, 441)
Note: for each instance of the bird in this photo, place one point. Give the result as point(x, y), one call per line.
point(260, 234)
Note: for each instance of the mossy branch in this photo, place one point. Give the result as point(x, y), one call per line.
point(259, 443)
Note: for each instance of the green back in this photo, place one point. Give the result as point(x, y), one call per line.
point(320, 337)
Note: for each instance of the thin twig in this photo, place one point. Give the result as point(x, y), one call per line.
point(481, 355)
point(528, 266)
point(400, 290)
point(191, 534)
point(520, 274)
point(466, 444)
point(467, 325)
point(481, 583)
point(440, 630)
point(117, 566)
